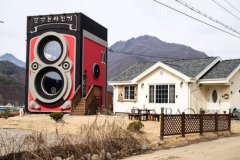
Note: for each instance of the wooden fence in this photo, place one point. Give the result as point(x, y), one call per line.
point(193, 123)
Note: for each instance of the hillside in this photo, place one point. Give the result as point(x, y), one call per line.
point(148, 49)
point(11, 58)
point(12, 80)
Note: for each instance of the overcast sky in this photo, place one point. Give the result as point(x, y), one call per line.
point(126, 19)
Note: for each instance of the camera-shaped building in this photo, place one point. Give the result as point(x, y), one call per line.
point(66, 64)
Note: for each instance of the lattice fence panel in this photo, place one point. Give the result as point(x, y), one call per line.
point(208, 123)
point(192, 123)
point(223, 122)
point(172, 124)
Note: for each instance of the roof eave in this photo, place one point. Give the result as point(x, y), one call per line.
point(112, 83)
point(214, 81)
point(233, 72)
point(212, 64)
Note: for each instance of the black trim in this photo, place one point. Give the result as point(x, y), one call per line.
point(51, 105)
point(27, 78)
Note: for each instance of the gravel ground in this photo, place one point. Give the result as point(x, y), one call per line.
point(15, 140)
point(221, 149)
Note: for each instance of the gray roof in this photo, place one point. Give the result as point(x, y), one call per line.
point(222, 69)
point(189, 67)
point(133, 71)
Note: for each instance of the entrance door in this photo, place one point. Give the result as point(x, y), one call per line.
point(214, 100)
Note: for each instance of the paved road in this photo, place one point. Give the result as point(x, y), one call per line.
point(221, 149)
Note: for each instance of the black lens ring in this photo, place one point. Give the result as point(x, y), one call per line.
point(38, 84)
point(66, 65)
point(42, 44)
point(96, 71)
point(34, 65)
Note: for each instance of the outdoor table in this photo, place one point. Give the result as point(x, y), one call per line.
point(144, 114)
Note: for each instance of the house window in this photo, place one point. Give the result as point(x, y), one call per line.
point(171, 93)
point(151, 94)
point(162, 93)
point(103, 57)
point(129, 92)
point(214, 96)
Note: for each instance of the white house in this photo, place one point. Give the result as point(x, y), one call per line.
point(9, 105)
point(187, 85)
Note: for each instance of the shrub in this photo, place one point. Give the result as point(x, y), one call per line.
point(6, 115)
point(107, 112)
point(57, 116)
point(135, 126)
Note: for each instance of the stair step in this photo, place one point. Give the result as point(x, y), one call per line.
point(77, 113)
point(80, 110)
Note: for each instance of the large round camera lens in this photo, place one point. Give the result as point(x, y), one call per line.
point(51, 83)
point(52, 50)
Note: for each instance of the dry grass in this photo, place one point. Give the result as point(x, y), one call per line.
point(83, 136)
point(107, 138)
point(8, 114)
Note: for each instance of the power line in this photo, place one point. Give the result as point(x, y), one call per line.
point(197, 19)
point(166, 60)
point(207, 16)
point(232, 6)
point(140, 55)
point(226, 10)
point(152, 56)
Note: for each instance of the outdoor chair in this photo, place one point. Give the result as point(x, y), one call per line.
point(134, 114)
point(153, 116)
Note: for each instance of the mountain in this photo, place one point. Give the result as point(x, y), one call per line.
point(11, 58)
point(124, 54)
point(12, 83)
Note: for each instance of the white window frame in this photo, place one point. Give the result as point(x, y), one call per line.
point(103, 57)
point(129, 91)
point(154, 96)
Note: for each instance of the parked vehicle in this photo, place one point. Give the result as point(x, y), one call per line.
point(236, 113)
point(3, 110)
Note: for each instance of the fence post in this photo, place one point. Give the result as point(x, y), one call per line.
point(162, 124)
point(183, 124)
point(216, 122)
point(201, 123)
point(229, 119)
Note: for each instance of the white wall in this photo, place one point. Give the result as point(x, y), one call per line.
point(159, 76)
point(235, 90)
point(199, 97)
